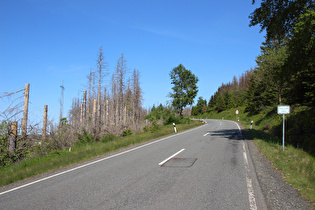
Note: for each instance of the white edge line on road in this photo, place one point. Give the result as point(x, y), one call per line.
point(250, 189)
point(167, 159)
point(251, 195)
point(91, 163)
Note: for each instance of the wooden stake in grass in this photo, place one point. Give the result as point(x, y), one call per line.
point(13, 135)
point(25, 111)
point(45, 122)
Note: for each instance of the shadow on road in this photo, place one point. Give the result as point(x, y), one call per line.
point(232, 134)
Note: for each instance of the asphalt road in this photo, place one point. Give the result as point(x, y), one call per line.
point(208, 167)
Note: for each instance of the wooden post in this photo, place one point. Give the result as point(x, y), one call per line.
point(45, 122)
point(84, 107)
point(125, 115)
point(25, 111)
point(94, 111)
point(105, 107)
point(107, 114)
point(81, 115)
point(13, 135)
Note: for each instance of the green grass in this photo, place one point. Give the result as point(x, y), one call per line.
point(81, 152)
point(296, 165)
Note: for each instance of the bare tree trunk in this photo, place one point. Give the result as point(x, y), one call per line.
point(25, 111)
point(102, 66)
point(91, 78)
point(105, 115)
point(125, 115)
point(121, 71)
point(84, 108)
point(137, 97)
point(45, 122)
point(81, 115)
point(94, 118)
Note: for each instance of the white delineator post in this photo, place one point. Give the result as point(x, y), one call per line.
point(175, 128)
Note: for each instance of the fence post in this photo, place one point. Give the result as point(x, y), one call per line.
point(13, 135)
point(45, 122)
point(81, 115)
point(84, 108)
point(25, 111)
point(94, 112)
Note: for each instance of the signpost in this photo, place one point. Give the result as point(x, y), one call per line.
point(284, 109)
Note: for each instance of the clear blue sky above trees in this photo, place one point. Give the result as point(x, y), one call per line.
point(46, 42)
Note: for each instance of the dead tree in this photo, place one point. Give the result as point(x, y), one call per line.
point(84, 107)
point(101, 68)
point(90, 98)
point(137, 99)
point(121, 70)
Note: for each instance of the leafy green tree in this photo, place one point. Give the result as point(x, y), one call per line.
point(219, 102)
point(167, 114)
point(211, 104)
point(301, 60)
point(185, 88)
point(271, 67)
point(261, 93)
point(278, 17)
point(229, 99)
point(200, 108)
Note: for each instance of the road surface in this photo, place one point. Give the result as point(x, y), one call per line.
point(208, 167)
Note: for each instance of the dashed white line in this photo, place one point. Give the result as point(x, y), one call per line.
point(206, 134)
point(167, 159)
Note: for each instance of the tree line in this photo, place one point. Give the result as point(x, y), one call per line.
point(112, 108)
point(285, 71)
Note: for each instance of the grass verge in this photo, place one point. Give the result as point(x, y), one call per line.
point(82, 152)
point(296, 165)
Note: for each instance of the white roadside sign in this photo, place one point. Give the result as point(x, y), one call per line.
point(283, 109)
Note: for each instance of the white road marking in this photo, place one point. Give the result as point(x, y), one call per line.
point(100, 160)
point(250, 189)
point(251, 195)
point(167, 159)
point(206, 134)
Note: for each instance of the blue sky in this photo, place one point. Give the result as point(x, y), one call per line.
point(45, 42)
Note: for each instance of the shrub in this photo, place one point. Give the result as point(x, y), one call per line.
point(184, 121)
point(127, 133)
point(85, 138)
point(146, 129)
point(107, 138)
point(154, 127)
point(170, 119)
